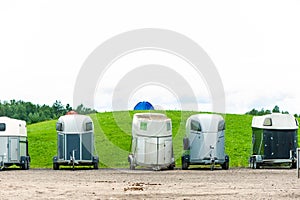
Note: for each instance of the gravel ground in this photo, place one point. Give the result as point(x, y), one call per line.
point(148, 184)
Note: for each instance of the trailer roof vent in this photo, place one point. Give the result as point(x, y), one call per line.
point(268, 122)
point(2, 126)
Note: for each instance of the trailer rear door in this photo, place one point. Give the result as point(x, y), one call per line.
point(196, 141)
point(13, 149)
point(278, 143)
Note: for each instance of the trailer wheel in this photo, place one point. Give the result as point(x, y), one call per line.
point(28, 164)
point(96, 165)
point(132, 167)
point(171, 167)
point(255, 165)
point(185, 165)
point(225, 165)
point(55, 166)
point(25, 165)
point(131, 162)
point(293, 165)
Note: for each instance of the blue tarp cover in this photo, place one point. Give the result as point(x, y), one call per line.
point(144, 105)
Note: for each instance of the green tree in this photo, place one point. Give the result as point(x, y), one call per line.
point(276, 109)
point(58, 109)
point(32, 113)
point(84, 110)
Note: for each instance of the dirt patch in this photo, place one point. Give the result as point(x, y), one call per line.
point(147, 184)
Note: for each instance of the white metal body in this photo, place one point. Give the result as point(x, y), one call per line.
point(152, 140)
point(279, 121)
point(205, 133)
point(13, 141)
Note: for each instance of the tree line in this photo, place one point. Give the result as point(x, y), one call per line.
point(33, 113)
point(265, 112)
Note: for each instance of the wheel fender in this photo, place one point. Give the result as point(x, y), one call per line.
point(95, 159)
point(226, 158)
point(55, 159)
point(130, 158)
point(185, 158)
point(23, 159)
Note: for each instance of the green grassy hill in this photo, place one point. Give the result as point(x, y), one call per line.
point(113, 138)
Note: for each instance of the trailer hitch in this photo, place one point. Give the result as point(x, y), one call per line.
point(72, 158)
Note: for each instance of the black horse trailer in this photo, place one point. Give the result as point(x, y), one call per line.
point(274, 140)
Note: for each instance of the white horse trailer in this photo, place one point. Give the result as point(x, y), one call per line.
point(75, 141)
point(151, 144)
point(274, 140)
point(13, 143)
point(204, 143)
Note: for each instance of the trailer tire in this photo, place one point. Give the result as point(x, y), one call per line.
point(294, 165)
point(171, 167)
point(28, 164)
point(25, 165)
point(96, 165)
point(132, 167)
point(225, 165)
point(131, 162)
point(185, 165)
point(255, 165)
point(55, 166)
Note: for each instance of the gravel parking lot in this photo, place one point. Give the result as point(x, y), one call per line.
point(148, 184)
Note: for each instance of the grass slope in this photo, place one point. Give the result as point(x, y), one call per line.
point(113, 138)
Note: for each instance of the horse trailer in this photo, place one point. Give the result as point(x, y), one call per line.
point(274, 140)
point(75, 141)
point(204, 143)
point(13, 143)
point(151, 144)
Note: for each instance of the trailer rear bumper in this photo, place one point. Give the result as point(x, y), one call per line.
point(256, 161)
point(276, 161)
point(158, 166)
point(24, 163)
point(207, 162)
point(186, 162)
point(60, 162)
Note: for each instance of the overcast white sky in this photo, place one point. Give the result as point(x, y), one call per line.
point(255, 46)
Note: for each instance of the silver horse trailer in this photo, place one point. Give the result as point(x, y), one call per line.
point(13, 143)
point(274, 140)
point(204, 143)
point(151, 144)
point(75, 141)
